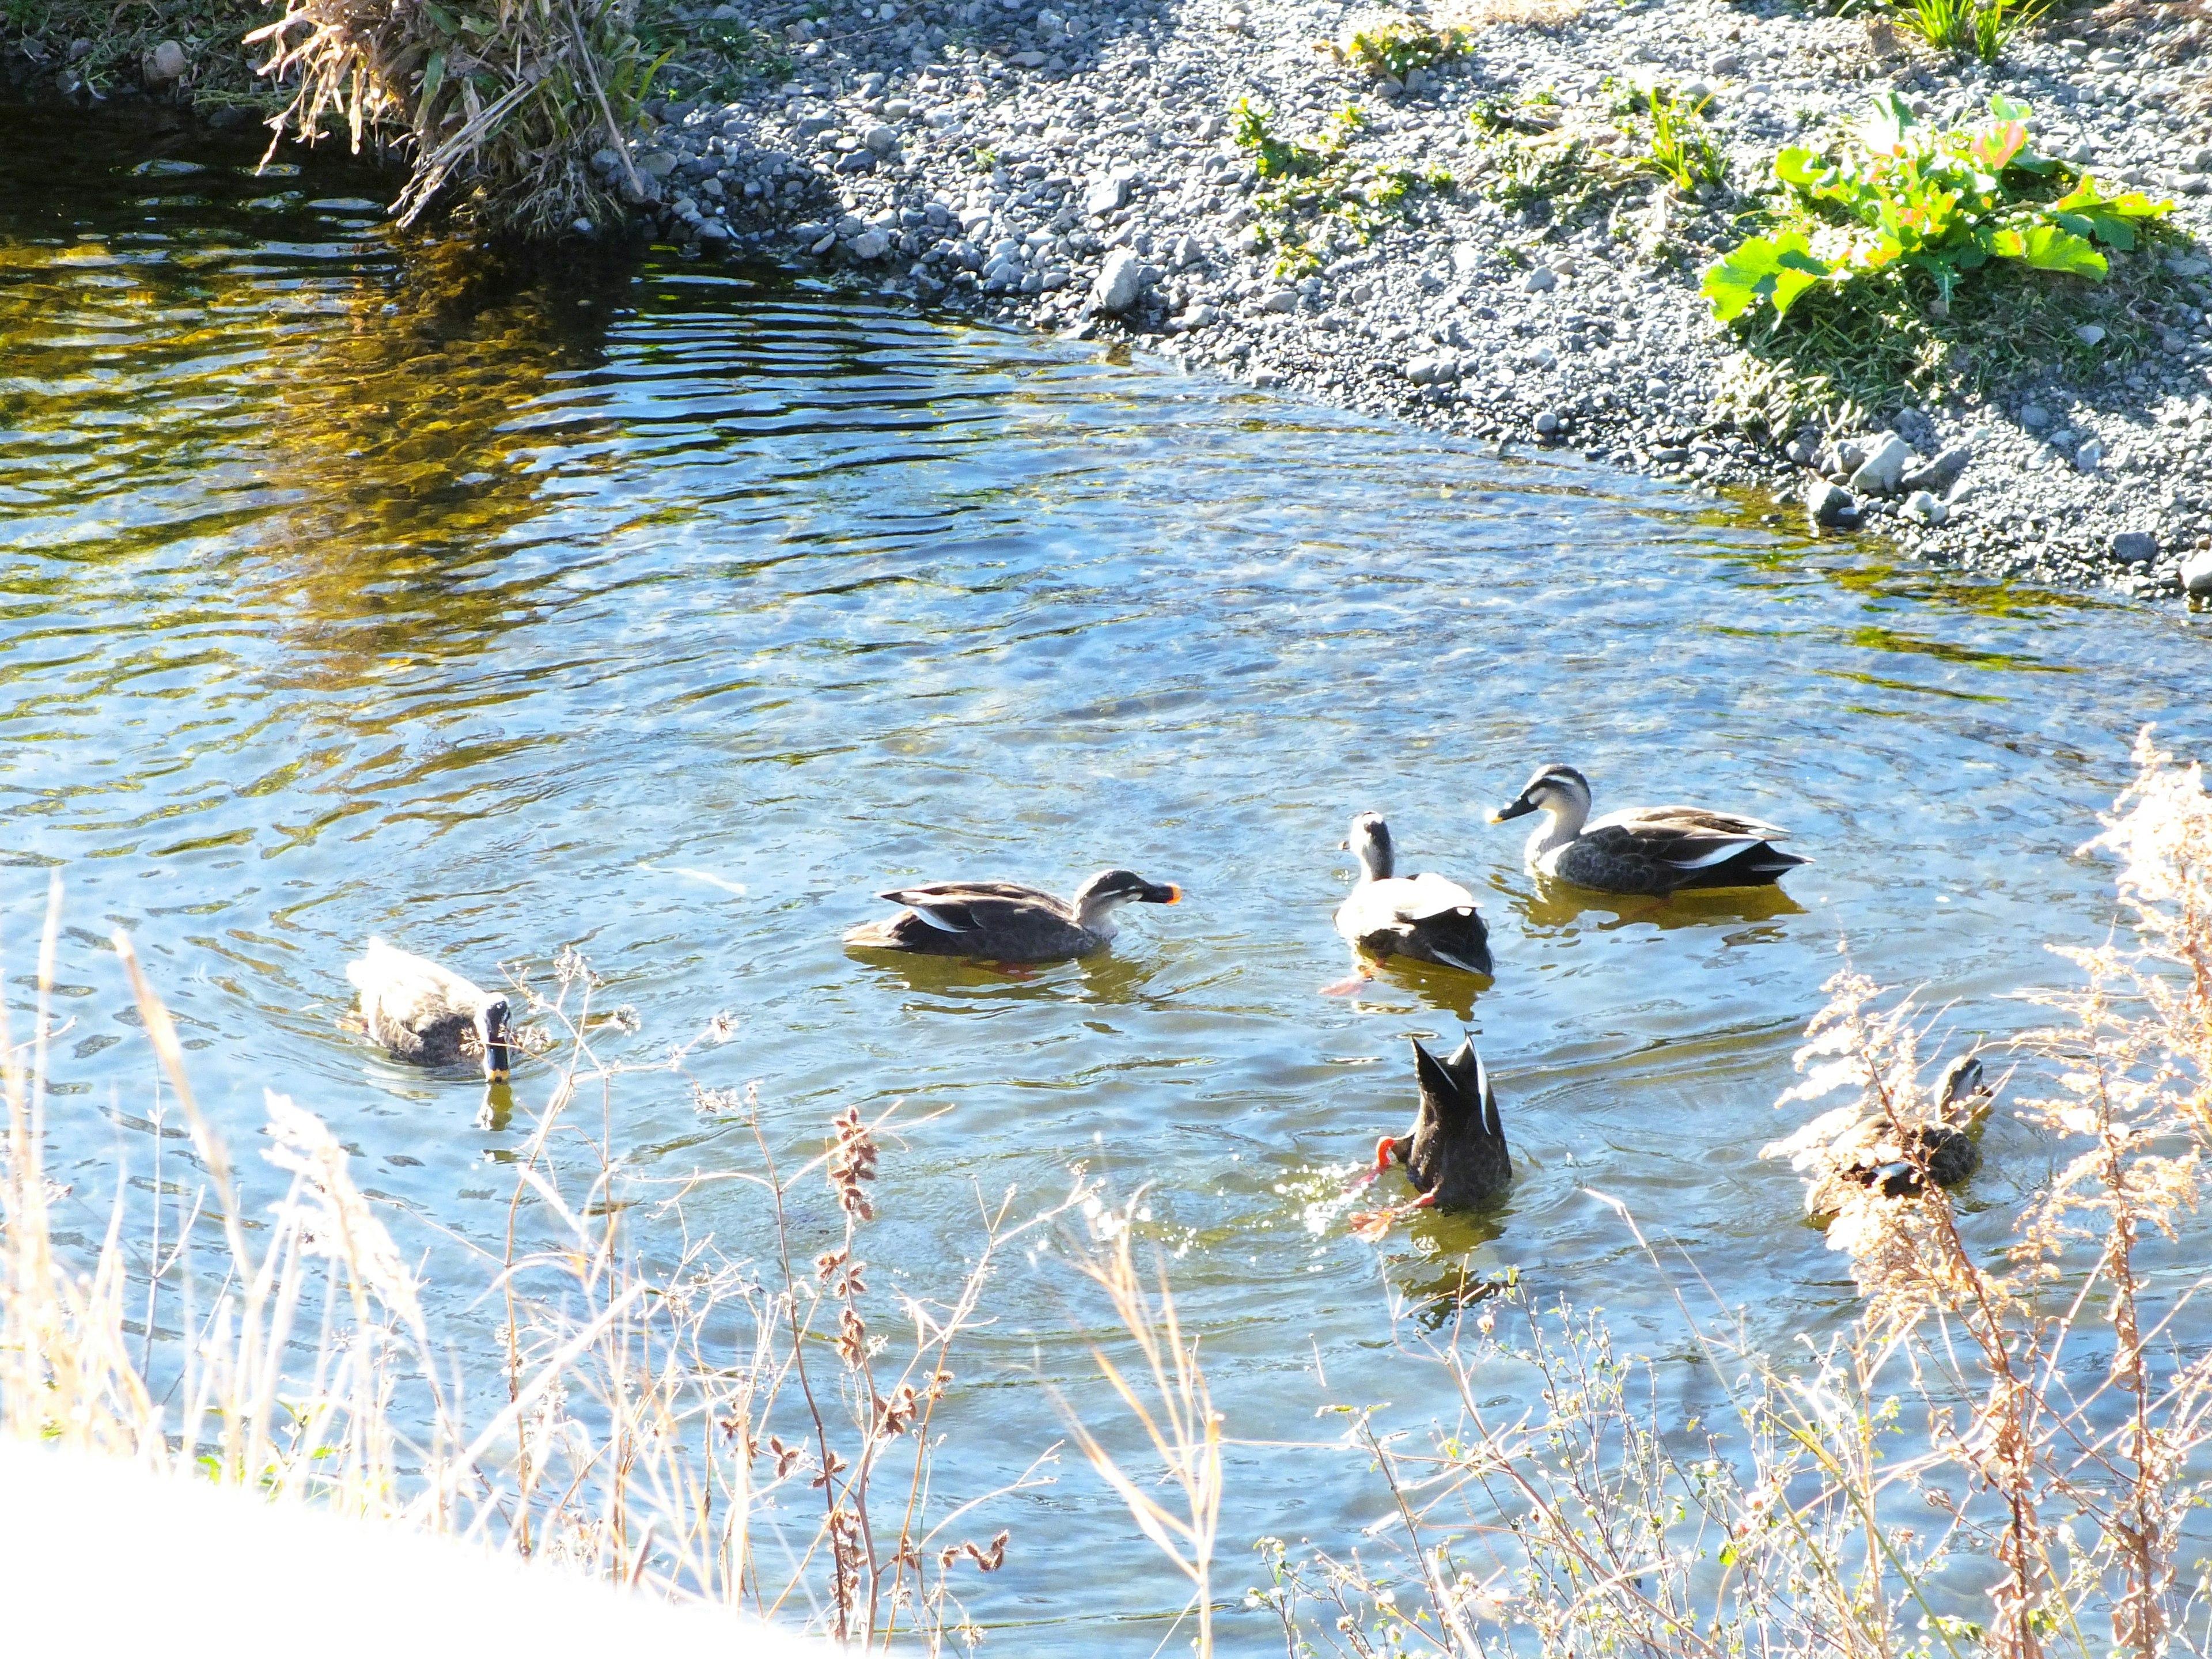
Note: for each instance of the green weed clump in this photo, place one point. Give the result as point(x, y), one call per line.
point(1898, 259)
point(1395, 46)
point(1313, 194)
point(1681, 150)
point(1981, 26)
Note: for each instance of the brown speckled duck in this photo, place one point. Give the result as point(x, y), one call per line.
point(1006, 921)
point(424, 1012)
point(1849, 1148)
point(1651, 850)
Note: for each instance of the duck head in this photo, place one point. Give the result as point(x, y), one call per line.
point(1560, 790)
point(1456, 1154)
point(1097, 899)
point(495, 1033)
point(1370, 842)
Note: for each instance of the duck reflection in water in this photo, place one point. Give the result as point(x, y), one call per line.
point(1434, 1303)
point(1103, 976)
point(1555, 906)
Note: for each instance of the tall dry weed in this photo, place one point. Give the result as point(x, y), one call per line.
point(757, 1433)
point(505, 104)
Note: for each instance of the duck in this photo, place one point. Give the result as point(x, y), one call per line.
point(1424, 917)
point(1007, 921)
point(422, 1010)
point(1849, 1148)
point(1454, 1153)
point(1644, 850)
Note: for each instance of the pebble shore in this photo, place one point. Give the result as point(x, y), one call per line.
point(1075, 168)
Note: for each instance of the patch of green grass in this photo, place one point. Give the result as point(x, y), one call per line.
point(1981, 26)
point(1311, 191)
point(1682, 149)
point(710, 57)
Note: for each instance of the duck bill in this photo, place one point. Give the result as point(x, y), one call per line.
point(1519, 809)
point(1165, 892)
point(497, 1061)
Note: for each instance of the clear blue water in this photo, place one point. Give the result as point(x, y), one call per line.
point(670, 614)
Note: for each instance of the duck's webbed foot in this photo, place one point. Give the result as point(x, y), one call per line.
point(1352, 986)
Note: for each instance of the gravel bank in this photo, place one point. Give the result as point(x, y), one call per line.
point(1077, 167)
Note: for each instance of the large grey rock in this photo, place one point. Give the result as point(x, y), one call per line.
point(1883, 465)
point(1940, 474)
point(2197, 572)
point(1542, 280)
point(1106, 196)
point(1121, 281)
point(2089, 457)
point(2035, 417)
point(164, 65)
point(2135, 547)
point(881, 139)
point(1829, 506)
point(871, 245)
point(1924, 508)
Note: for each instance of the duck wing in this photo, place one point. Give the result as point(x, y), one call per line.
point(967, 907)
point(1004, 920)
point(1660, 849)
point(1427, 917)
point(1459, 1155)
point(414, 1006)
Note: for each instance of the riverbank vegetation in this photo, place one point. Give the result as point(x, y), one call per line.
point(2003, 1451)
point(495, 111)
point(1902, 261)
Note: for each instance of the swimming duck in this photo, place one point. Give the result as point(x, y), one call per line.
point(1653, 850)
point(1456, 1153)
point(422, 1012)
point(1005, 921)
point(1848, 1148)
point(1424, 917)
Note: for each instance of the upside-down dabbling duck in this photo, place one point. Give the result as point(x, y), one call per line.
point(1424, 917)
point(1455, 1152)
point(422, 1012)
point(1850, 1148)
point(1005, 921)
point(1651, 850)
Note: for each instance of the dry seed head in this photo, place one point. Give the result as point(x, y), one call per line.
point(851, 1161)
point(986, 1561)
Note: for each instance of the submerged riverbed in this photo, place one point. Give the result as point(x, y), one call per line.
point(668, 614)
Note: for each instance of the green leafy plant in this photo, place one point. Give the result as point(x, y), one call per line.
point(1395, 46)
point(1896, 201)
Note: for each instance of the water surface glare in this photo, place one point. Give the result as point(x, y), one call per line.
point(672, 617)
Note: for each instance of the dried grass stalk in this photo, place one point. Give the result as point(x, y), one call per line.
point(506, 104)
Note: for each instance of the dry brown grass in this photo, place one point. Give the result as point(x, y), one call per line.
point(504, 107)
point(708, 1427)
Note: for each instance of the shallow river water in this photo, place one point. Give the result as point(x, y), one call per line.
point(671, 613)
